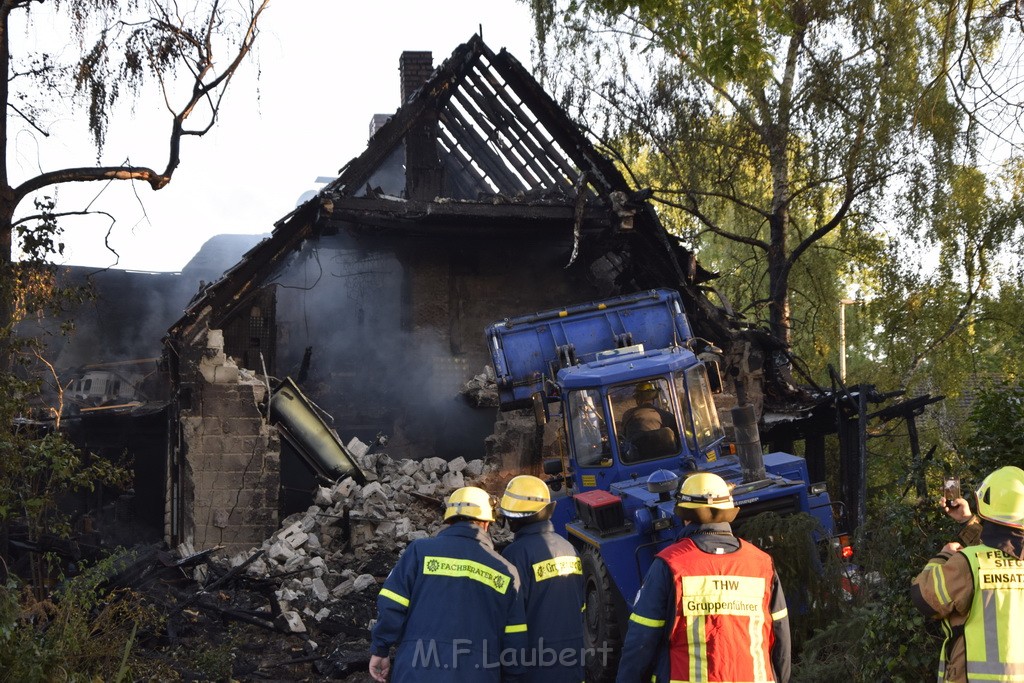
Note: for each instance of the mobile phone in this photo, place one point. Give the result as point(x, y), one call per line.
point(951, 489)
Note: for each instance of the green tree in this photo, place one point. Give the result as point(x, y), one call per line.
point(776, 125)
point(190, 53)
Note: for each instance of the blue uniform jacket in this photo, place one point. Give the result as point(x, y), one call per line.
point(453, 607)
point(552, 580)
point(645, 650)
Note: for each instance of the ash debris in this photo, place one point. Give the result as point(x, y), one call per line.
point(319, 574)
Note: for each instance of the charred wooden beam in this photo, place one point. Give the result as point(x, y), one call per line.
point(510, 152)
point(503, 94)
point(466, 169)
point(468, 137)
point(478, 218)
point(517, 120)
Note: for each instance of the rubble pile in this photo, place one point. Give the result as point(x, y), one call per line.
point(482, 390)
point(324, 566)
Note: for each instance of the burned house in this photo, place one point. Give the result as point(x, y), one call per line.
point(477, 199)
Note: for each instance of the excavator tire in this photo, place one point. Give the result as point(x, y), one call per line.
point(602, 632)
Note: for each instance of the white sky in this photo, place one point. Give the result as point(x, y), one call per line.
point(325, 67)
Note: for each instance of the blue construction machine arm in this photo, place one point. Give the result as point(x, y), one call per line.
point(528, 350)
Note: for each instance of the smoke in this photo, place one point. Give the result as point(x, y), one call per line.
point(378, 363)
point(128, 312)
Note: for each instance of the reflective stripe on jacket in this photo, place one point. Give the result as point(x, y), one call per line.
point(723, 623)
point(646, 649)
point(552, 585)
point(454, 608)
point(993, 651)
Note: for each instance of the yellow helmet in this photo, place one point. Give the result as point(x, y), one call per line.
point(470, 502)
point(704, 490)
point(645, 387)
point(525, 495)
point(1001, 497)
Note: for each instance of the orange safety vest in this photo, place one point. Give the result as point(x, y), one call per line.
point(723, 623)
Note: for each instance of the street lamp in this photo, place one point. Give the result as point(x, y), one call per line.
point(843, 303)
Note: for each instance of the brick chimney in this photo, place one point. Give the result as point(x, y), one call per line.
point(414, 68)
point(424, 174)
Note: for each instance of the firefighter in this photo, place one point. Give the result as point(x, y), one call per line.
point(711, 607)
point(452, 605)
point(978, 591)
point(552, 583)
point(649, 428)
point(646, 415)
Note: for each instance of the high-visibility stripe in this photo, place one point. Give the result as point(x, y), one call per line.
point(644, 621)
point(557, 566)
point(993, 650)
point(755, 628)
point(697, 648)
point(404, 602)
point(995, 672)
point(939, 582)
point(726, 598)
point(780, 615)
point(515, 628)
point(466, 569)
point(520, 496)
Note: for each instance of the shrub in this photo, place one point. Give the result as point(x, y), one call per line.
point(83, 632)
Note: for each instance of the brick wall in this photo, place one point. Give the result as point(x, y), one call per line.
point(414, 68)
point(231, 474)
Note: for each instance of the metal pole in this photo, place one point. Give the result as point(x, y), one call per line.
point(843, 303)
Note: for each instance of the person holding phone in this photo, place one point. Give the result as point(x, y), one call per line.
point(978, 590)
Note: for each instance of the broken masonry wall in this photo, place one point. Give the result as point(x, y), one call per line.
point(395, 324)
point(229, 456)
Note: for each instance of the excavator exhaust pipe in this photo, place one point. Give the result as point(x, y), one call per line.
point(747, 438)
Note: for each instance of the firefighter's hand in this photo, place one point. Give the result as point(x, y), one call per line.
point(959, 510)
point(380, 667)
point(951, 548)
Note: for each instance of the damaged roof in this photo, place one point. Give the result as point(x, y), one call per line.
point(481, 149)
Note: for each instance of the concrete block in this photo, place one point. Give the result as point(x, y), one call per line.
point(403, 483)
point(362, 533)
point(220, 518)
point(318, 565)
point(319, 590)
point(452, 480)
point(402, 527)
point(357, 447)
point(280, 552)
point(372, 489)
point(223, 374)
point(294, 563)
point(457, 465)
point(285, 596)
point(343, 489)
point(363, 581)
point(408, 467)
point(322, 497)
point(293, 536)
point(291, 621)
point(434, 465)
point(344, 588)
point(474, 468)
